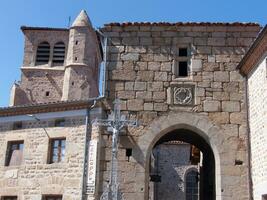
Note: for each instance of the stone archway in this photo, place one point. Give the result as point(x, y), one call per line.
point(193, 122)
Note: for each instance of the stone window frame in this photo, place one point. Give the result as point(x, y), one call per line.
point(50, 150)
point(177, 59)
point(9, 151)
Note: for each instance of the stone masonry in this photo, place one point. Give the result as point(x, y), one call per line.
point(141, 58)
point(170, 77)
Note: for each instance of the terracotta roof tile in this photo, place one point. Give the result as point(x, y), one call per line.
point(181, 24)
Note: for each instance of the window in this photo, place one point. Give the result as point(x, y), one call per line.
point(59, 53)
point(191, 185)
point(57, 150)
point(14, 153)
point(182, 62)
point(9, 198)
point(60, 122)
point(52, 197)
point(43, 53)
point(264, 197)
point(17, 125)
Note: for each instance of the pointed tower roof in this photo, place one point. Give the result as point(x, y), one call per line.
point(82, 20)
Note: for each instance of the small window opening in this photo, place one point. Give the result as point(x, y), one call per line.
point(9, 198)
point(77, 42)
point(59, 53)
point(52, 197)
point(43, 53)
point(238, 162)
point(183, 52)
point(14, 153)
point(17, 125)
point(47, 93)
point(129, 153)
point(182, 70)
point(72, 83)
point(76, 58)
point(60, 122)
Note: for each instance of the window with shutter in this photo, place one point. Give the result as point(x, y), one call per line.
point(59, 54)
point(43, 53)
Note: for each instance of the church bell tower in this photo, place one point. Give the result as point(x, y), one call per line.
point(83, 59)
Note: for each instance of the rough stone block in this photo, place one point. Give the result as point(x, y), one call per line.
point(161, 76)
point(196, 65)
point(126, 94)
point(160, 107)
point(140, 86)
point(211, 106)
point(144, 95)
point(154, 66)
point(166, 66)
point(220, 95)
point(148, 106)
point(220, 117)
point(236, 76)
point(129, 85)
point(238, 118)
point(130, 57)
point(159, 95)
point(135, 105)
point(216, 41)
point(145, 75)
point(161, 57)
point(220, 76)
point(231, 106)
point(155, 86)
point(127, 75)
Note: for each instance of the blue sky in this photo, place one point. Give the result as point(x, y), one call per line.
point(55, 13)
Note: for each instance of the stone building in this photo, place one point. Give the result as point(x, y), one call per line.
point(254, 68)
point(179, 80)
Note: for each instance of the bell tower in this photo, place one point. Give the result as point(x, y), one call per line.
point(83, 59)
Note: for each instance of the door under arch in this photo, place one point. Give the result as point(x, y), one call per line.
point(173, 157)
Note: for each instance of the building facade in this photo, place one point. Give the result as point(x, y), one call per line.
point(179, 80)
point(253, 67)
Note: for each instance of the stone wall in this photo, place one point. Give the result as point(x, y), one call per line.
point(35, 177)
point(34, 37)
point(141, 62)
point(257, 94)
point(171, 162)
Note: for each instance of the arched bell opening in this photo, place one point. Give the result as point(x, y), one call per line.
point(182, 167)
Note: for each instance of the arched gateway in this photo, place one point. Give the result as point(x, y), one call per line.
point(194, 129)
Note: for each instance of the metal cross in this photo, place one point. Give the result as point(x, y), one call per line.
point(116, 122)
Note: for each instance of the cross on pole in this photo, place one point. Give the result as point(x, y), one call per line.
point(116, 122)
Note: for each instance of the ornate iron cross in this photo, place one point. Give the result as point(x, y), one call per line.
point(116, 122)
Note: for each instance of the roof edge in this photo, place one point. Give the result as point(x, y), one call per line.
point(182, 24)
point(251, 50)
point(46, 107)
point(25, 28)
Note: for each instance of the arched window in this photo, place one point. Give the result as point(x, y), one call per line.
point(191, 181)
point(59, 53)
point(43, 52)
